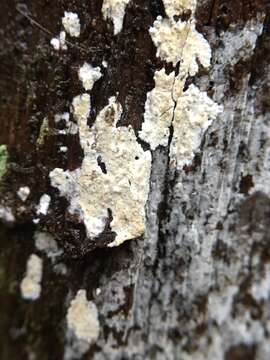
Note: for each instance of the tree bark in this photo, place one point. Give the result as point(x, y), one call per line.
point(197, 284)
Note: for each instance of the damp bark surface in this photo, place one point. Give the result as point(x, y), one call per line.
point(196, 284)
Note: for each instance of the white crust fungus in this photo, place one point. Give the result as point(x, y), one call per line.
point(81, 108)
point(82, 318)
point(71, 23)
point(177, 7)
point(89, 75)
point(23, 193)
point(44, 203)
point(159, 109)
point(180, 41)
point(193, 115)
point(71, 127)
point(46, 243)
point(120, 187)
point(190, 112)
point(30, 285)
point(59, 43)
point(115, 10)
point(6, 214)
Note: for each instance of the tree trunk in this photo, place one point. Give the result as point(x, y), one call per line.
point(196, 285)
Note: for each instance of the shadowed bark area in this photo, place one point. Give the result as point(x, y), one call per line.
point(196, 285)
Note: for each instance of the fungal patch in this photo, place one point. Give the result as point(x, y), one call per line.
point(63, 149)
point(189, 112)
point(44, 203)
point(180, 42)
point(82, 318)
point(177, 7)
point(46, 243)
point(70, 127)
point(64, 116)
point(194, 113)
point(6, 214)
point(30, 285)
point(81, 110)
point(23, 193)
point(159, 109)
point(115, 10)
point(59, 43)
point(89, 75)
point(71, 23)
point(122, 187)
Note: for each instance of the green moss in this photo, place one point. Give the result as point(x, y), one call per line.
point(3, 160)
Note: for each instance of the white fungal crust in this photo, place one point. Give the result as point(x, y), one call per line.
point(89, 75)
point(71, 127)
point(44, 203)
point(46, 243)
point(180, 41)
point(115, 10)
point(82, 318)
point(177, 7)
point(6, 214)
point(159, 109)
point(192, 110)
point(114, 174)
point(59, 43)
point(193, 115)
point(81, 108)
point(71, 23)
point(30, 285)
point(23, 193)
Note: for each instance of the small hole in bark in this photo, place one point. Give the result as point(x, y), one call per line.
point(246, 184)
point(101, 164)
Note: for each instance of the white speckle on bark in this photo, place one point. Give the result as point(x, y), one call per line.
point(82, 318)
point(44, 203)
point(71, 23)
point(58, 117)
point(30, 285)
point(89, 75)
point(46, 243)
point(98, 291)
point(59, 43)
point(122, 186)
point(71, 127)
point(23, 193)
point(6, 214)
point(115, 10)
point(63, 149)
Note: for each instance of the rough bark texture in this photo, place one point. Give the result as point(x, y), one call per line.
point(197, 285)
